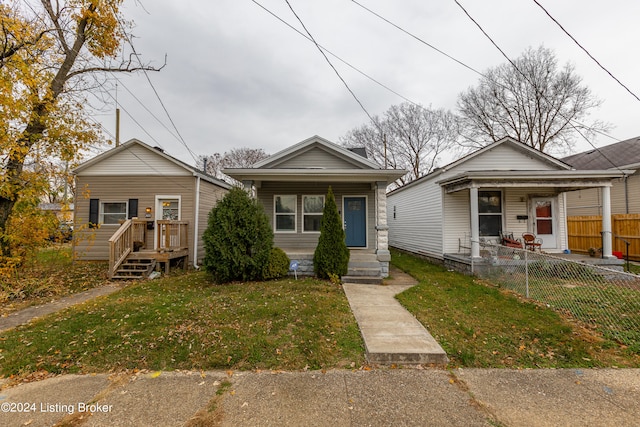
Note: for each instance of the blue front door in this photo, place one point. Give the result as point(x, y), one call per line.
point(355, 221)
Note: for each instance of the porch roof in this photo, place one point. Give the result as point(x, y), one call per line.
point(563, 180)
point(315, 175)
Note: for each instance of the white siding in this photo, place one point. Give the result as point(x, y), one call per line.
point(417, 223)
point(584, 202)
point(136, 160)
point(504, 157)
point(457, 221)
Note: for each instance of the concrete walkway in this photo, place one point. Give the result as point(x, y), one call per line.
point(391, 334)
point(26, 315)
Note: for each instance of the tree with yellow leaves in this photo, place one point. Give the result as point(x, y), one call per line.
point(51, 53)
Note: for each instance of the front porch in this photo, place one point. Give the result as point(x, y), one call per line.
point(130, 255)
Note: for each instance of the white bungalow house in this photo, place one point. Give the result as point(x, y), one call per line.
point(292, 184)
point(505, 187)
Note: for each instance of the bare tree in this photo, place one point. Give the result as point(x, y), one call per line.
point(532, 101)
point(236, 158)
point(409, 136)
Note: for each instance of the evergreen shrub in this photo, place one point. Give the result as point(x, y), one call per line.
point(278, 265)
point(331, 256)
point(238, 239)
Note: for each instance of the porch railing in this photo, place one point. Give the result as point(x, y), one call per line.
point(172, 235)
point(121, 244)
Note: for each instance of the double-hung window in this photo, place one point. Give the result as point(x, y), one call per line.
point(285, 213)
point(312, 207)
point(113, 212)
point(490, 213)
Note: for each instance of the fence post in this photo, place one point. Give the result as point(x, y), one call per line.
point(526, 272)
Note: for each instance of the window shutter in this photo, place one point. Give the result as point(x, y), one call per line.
point(133, 208)
point(94, 212)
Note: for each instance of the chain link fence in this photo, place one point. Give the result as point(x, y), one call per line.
point(605, 299)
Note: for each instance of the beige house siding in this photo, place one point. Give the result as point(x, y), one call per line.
point(210, 194)
point(307, 240)
point(137, 160)
point(92, 243)
point(589, 201)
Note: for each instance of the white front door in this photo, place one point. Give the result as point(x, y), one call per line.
point(167, 208)
point(545, 224)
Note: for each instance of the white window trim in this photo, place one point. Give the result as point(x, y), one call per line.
point(159, 197)
point(295, 215)
point(502, 213)
point(101, 212)
point(324, 200)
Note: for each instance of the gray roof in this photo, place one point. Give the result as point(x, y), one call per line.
point(360, 151)
point(620, 154)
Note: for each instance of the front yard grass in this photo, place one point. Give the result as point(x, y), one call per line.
point(479, 325)
point(185, 322)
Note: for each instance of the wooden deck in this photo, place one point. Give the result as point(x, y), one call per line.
point(127, 243)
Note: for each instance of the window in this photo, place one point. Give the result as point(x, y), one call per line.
point(312, 207)
point(113, 212)
point(490, 212)
point(285, 213)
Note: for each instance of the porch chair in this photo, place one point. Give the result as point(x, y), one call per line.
point(532, 242)
point(507, 239)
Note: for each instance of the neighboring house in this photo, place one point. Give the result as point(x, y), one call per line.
point(63, 212)
point(292, 184)
point(624, 192)
point(167, 201)
point(504, 187)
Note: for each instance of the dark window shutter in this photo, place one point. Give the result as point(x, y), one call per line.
point(94, 212)
point(133, 208)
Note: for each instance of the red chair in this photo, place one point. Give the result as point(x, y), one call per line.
point(531, 242)
point(506, 239)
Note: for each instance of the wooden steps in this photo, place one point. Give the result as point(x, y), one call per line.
point(135, 268)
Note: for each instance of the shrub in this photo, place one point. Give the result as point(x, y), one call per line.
point(238, 239)
point(331, 256)
point(278, 265)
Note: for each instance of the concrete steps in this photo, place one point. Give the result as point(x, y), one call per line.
point(364, 268)
point(138, 268)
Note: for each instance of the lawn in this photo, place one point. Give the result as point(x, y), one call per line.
point(50, 274)
point(184, 321)
point(480, 325)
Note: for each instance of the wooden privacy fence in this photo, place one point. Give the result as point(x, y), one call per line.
point(584, 233)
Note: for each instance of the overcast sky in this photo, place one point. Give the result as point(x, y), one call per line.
point(238, 77)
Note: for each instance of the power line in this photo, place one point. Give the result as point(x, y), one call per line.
point(586, 51)
point(336, 56)
point(568, 120)
point(330, 64)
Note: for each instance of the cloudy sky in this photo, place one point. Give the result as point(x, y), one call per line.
point(236, 76)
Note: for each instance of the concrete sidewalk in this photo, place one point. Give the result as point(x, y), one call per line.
point(382, 397)
point(391, 334)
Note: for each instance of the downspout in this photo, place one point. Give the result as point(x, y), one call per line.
point(626, 194)
point(195, 225)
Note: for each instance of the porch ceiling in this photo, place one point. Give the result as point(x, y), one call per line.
point(563, 180)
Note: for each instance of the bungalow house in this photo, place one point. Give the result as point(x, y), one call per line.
point(505, 187)
point(292, 184)
point(621, 155)
point(135, 204)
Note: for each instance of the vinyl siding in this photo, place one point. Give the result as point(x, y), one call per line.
point(418, 221)
point(304, 240)
point(93, 242)
point(589, 201)
point(136, 160)
point(431, 222)
point(318, 158)
point(210, 195)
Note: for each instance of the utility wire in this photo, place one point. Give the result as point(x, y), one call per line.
point(586, 51)
point(568, 120)
point(336, 56)
point(329, 62)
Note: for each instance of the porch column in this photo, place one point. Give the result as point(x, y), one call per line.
point(248, 187)
point(475, 223)
point(382, 228)
point(607, 234)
